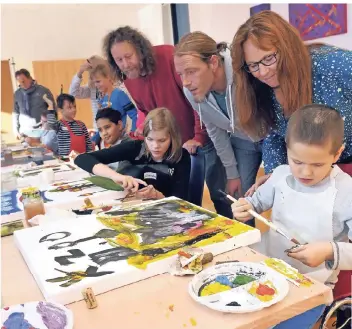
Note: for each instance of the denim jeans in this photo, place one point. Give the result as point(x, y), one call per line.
point(248, 156)
point(306, 320)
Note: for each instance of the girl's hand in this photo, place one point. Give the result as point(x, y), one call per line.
point(240, 210)
point(255, 186)
point(128, 182)
point(313, 254)
point(149, 192)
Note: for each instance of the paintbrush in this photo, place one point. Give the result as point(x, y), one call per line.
point(263, 220)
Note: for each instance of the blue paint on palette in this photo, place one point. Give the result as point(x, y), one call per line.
point(17, 320)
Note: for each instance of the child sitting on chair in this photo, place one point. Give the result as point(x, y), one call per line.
point(111, 132)
point(72, 134)
point(48, 137)
point(311, 199)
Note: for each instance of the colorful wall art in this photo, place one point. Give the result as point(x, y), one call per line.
point(123, 245)
point(257, 9)
point(315, 21)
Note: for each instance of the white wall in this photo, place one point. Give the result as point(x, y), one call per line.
point(222, 21)
point(32, 32)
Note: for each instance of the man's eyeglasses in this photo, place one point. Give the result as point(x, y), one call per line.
point(266, 61)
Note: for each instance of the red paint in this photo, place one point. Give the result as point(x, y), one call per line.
point(264, 290)
point(200, 231)
point(6, 308)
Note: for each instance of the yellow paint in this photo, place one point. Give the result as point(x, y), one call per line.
point(264, 298)
point(213, 288)
point(288, 271)
point(185, 325)
point(193, 322)
point(125, 225)
point(167, 315)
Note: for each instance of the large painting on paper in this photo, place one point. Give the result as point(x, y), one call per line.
point(123, 245)
point(257, 9)
point(315, 21)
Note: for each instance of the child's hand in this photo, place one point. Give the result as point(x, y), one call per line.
point(240, 210)
point(49, 102)
point(129, 182)
point(149, 192)
point(313, 254)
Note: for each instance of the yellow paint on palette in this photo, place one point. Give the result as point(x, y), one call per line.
point(213, 288)
point(193, 322)
point(287, 270)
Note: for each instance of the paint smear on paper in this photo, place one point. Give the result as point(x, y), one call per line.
point(290, 272)
point(193, 322)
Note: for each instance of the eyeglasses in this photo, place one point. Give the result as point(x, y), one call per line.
point(266, 61)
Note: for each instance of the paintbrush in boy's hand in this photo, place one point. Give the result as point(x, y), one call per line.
point(262, 219)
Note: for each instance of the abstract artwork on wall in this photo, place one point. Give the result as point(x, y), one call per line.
point(257, 9)
point(123, 245)
point(315, 21)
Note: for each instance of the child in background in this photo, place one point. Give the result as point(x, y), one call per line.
point(159, 160)
point(311, 200)
point(111, 96)
point(111, 132)
point(48, 138)
point(72, 134)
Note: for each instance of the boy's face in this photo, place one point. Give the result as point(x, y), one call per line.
point(109, 131)
point(68, 110)
point(310, 164)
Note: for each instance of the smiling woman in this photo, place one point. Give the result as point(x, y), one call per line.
point(276, 74)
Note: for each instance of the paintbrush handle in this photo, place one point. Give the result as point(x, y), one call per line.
point(256, 215)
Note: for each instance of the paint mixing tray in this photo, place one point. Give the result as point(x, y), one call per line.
point(38, 315)
point(240, 287)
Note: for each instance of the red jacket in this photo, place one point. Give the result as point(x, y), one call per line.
point(163, 88)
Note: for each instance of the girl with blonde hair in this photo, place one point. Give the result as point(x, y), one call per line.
point(159, 160)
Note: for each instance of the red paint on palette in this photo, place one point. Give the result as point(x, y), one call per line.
point(264, 290)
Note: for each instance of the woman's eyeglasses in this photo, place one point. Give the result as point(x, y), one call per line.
point(266, 61)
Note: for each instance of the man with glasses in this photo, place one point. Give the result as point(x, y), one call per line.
point(205, 69)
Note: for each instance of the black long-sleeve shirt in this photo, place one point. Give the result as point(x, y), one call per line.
point(171, 179)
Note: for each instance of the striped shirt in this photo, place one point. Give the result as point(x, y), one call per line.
point(63, 135)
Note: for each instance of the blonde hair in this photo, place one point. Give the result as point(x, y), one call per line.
point(101, 66)
point(199, 44)
point(161, 118)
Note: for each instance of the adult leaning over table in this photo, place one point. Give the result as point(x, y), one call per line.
point(276, 73)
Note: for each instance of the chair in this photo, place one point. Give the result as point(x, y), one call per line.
point(196, 179)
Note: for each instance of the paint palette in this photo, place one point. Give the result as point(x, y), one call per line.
point(36, 315)
point(239, 287)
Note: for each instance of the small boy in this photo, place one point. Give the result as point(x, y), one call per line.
point(311, 199)
point(72, 134)
point(48, 137)
point(111, 132)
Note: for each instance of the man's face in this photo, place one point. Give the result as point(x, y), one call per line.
point(196, 75)
point(23, 81)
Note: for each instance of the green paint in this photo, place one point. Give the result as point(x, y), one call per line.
point(242, 279)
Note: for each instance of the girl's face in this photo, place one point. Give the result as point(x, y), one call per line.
point(158, 142)
point(109, 131)
point(265, 73)
point(102, 83)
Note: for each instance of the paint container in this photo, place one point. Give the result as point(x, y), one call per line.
point(89, 298)
point(33, 204)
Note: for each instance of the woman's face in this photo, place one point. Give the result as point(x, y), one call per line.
point(102, 83)
point(158, 142)
point(265, 73)
point(126, 58)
